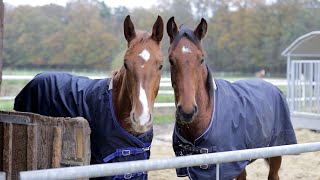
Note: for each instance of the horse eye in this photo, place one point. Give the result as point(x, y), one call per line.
point(160, 67)
point(171, 62)
point(202, 61)
point(125, 65)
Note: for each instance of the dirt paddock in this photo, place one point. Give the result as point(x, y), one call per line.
point(305, 166)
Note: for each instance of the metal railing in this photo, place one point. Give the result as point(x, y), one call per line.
point(304, 86)
point(165, 82)
point(168, 163)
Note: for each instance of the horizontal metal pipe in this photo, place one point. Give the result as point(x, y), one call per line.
point(167, 163)
point(165, 92)
point(172, 104)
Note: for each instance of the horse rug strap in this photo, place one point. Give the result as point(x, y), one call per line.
point(131, 151)
point(59, 94)
point(247, 114)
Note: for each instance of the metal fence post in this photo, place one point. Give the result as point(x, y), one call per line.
point(217, 171)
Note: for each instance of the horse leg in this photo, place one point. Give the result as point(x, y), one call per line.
point(274, 166)
point(242, 176)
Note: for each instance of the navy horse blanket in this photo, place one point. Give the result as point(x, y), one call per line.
point(247, 114)
point(65, 95)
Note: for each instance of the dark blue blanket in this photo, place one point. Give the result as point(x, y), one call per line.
point(247, 114)
point(65, 95)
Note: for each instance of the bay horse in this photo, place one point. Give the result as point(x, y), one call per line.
point(214, 115)
point(118, 109)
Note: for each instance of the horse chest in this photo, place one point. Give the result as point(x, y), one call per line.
point(246, 115)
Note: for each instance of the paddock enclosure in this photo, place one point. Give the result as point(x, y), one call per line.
point(303, 77)
point(30, 141)
point(38, 140)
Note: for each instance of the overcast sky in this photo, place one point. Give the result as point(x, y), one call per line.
point(112, 3)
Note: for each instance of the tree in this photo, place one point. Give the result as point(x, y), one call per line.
point(1, 39)
point(243, 35)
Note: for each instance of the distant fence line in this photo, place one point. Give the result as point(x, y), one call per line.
point(165, 82)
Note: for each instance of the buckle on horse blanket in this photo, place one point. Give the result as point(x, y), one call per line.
point(127, 176)
point(126, 152)
point(204, 166)
point(204, 150)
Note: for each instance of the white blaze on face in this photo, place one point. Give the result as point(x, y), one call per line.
point(185, 50)
point(145, 55)
point(145, 115)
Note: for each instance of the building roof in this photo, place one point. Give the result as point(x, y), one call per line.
point(307, 45)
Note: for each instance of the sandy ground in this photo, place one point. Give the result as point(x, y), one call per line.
point(305, 166)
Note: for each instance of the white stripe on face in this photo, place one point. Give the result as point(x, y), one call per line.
point(145, 55)
point(185, 50)
point(145, 115)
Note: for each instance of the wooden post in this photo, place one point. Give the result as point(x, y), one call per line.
point(1, 39)
point(32, 147)
point(56, 147)
point(7, 149)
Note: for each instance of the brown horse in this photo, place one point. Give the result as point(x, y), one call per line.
point(136, 84)
point(200, 108)
point(118, 109)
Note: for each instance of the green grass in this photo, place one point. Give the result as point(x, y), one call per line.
point(283, 88)
point(6, 105)
point(166, 88)
point(163, 118)
point(12, 87)
point(164, 98)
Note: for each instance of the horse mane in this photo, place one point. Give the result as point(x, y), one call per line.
point(185, 32)
point(142, 37)
point(210, 88)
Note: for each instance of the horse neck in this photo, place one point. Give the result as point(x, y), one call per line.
point(205, 109)
point(121, 101)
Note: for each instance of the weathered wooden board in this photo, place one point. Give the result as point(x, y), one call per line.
point(30, 141)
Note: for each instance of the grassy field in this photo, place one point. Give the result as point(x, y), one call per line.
point(165, 98)
point(12, 87)
point(163, 117)
point(9, 71)
point(6, 105)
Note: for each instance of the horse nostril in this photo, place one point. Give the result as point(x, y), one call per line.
point(180, 109)
point(195, 109)
point(191, 113)
point(134, 118)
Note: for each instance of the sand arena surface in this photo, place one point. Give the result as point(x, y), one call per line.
point(304, 167)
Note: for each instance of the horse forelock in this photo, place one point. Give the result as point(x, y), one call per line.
point(142, 38)
point(188, 33)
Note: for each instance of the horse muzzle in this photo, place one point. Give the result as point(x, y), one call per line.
point(185, 117)
point(141, 124)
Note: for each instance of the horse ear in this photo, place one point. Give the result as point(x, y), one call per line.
point(157, 30)
point(201, 30)
point(128, 27)
point(172, 29)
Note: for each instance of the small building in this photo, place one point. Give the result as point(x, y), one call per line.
point(303, 76)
